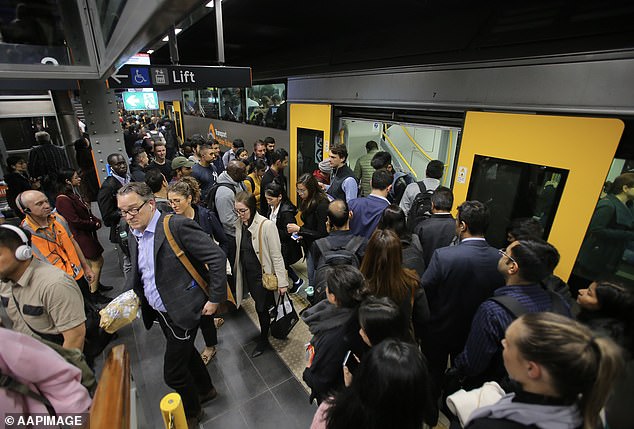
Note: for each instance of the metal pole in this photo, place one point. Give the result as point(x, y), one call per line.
point(173, 44)
point(219, 32)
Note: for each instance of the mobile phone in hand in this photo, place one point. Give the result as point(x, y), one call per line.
point(295, 236)
point(351, 361)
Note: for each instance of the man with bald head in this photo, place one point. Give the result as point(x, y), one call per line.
point(339, 238)
point(52, 241)
point(229, 183)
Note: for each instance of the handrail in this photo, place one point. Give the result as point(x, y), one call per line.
point(111, 404)
point(444, 174)
point(398, 152)
point(415, 143)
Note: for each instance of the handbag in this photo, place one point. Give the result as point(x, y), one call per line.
point(269, 281)
point(285, 319)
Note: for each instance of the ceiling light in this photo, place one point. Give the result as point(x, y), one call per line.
point(150, 51)
point(210, 4)
point(177, 30)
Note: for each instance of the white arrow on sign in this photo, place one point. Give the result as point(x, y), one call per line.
point(116, 77)
point(134, 100)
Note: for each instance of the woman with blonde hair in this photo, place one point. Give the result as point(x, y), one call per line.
point(382, 266)
point(565, 374)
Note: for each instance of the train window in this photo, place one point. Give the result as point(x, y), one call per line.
point(607, 252)
point(266, 105)
point(231, 104)
point(515, 190)
point(411, 146)
point(310, 146)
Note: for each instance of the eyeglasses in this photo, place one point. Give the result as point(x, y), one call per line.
point(132, 212)
point(242, 211)
point(503, 253)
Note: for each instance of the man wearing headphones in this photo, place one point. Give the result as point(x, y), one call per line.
point(41, 300)
point(52, 239)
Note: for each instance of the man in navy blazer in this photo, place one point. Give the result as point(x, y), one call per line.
point(169, 293)
point(457, 280)
point(367, 211)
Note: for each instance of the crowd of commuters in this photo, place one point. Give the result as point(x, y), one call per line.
point(403, 312)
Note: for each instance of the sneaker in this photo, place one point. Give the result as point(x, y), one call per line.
point(310, 291)
point(296, 286)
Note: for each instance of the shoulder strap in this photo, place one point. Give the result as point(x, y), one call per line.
point(354, 244)
point(180, 254)
point(512, 305)
point(260, 247)
point(323, 245)
point(558, 305)
point(9, 383)
point(422, 186)
point(252, 183)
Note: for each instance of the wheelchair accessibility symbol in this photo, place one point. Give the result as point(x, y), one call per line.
point(140, 76)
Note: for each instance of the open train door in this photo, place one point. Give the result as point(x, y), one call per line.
point(550, 168)
point(309, 129)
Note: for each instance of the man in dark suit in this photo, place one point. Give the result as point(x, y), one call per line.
point(439, 230)
point(169, 293)
point(107, 200)
point(457, 280)
point(275, 173)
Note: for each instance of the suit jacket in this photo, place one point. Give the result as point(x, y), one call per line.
point(182, 302)
point(107, 200)
point(457, 280)
point(435, 232)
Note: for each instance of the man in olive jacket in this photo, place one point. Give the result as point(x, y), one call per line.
point(169, 293)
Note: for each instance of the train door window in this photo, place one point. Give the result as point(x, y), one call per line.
point(607, 252)
point(191, 103)
point(266, 105)
point(411, 146)
point(310, 146)
point(514, 190)
point(231, 104)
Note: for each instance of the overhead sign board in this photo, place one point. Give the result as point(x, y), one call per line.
point(176, 77)
point(147, 100)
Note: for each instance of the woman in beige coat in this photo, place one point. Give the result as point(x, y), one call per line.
point(251, 230)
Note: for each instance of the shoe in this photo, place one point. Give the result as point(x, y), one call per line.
point(98, 298)
point(209, 396)
point(296, 286)
point(104, 288)
point(260, 348)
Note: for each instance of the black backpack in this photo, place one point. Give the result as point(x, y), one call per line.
point(211, 196)
point(421, 207)
point(330, 256)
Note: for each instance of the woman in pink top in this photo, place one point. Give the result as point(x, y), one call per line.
point(43, 370)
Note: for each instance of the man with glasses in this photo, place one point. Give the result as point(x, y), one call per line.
point(457, 280)
point(523, 264)
point(169, 293)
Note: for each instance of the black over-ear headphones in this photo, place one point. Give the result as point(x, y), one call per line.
point(20, 204)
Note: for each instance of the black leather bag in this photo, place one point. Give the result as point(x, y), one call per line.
point(285, 320)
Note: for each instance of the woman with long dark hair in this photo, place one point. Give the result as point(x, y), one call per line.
point(258, 251)
point(183, 196)
point(382, 266)
point(84, 225)
point(608, 309)
point(390, 389)
point(394, 219)
point(283, 212)
point(334, 325)
point(313, 203)
point(565, 372)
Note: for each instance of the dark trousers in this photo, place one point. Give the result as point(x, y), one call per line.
point(292, 274)
point(183, 368)
point(209, 331)
point(436, 363)
point(265, 323)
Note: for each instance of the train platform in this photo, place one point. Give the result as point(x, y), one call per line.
point(261, 393)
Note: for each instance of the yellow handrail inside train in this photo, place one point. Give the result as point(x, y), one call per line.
point(400, 155)
point(415, 143)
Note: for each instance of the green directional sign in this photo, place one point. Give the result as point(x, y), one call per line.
point(140, 100)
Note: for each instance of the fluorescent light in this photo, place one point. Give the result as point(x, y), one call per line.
point(150, 51)
point(210, 4)
point(177, 30)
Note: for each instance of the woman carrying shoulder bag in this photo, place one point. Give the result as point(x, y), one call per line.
point(258, 252)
